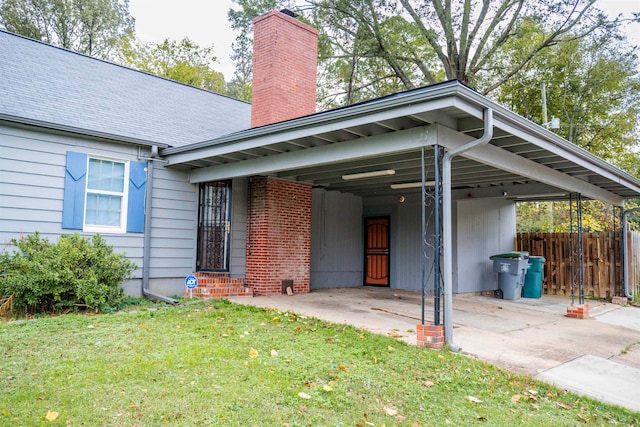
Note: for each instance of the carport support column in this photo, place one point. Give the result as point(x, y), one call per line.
point(447, 235)
point(278, 235)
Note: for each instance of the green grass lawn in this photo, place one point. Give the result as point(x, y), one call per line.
point(216, 363)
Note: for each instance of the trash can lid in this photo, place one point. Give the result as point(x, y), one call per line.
point(534, 258)
point(512, 255)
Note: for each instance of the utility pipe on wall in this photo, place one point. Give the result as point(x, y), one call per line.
point(146, 255)
point(447, 239)
point(625, 254)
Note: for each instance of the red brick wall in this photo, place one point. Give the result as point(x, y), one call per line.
point(278, 235)
point(284, 69)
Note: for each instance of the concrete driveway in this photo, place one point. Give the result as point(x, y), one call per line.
point(598, 357)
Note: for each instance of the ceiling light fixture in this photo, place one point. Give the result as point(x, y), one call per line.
point(412, 185)
point(371, 174)
point(540, 196)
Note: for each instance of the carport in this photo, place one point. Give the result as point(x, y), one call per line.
point(383, 152)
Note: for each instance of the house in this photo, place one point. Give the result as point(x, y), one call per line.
point(185, 180)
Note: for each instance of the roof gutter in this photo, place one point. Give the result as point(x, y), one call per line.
point(78, 131)
point(447, 239)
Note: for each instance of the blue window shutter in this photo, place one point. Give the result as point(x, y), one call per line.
point(137, 190)
point(75, 179)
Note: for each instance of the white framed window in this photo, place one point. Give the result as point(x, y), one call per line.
point(106, 195)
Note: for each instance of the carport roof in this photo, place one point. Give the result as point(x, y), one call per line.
point(389, 132)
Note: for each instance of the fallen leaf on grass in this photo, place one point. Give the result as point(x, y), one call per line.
point(327, 388)
point(391, 411)
point(535, 406)
point(51, 416)
point(428, 384)
point(515, 398)
point(274, 353)
point(253, 352)
point(563, 406)
point(304, 395)
point(473, 399)
point(391, 348)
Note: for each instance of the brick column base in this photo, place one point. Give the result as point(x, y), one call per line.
point(578, 311)
point(619, 300)
point(431, 336)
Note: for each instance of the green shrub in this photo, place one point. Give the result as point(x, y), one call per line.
point(73, 274)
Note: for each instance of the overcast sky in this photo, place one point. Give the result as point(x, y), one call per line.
point(205, 23)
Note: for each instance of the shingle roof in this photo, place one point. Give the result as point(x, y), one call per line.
point(44, 83)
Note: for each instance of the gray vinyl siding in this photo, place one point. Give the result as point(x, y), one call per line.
point(336, 240)
point(32, 170)
point(238, 258)
point(485, 227)
point(174, 210)
point(481, 228)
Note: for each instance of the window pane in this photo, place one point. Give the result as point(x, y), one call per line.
point(103, 210)
point(105, 175)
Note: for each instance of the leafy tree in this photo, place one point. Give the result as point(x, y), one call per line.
point(91, 27)
point(555, 216)
point(591, 84)
point(183, 61)
point(378, 46)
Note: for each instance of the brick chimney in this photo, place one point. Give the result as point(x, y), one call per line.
point(285, 54)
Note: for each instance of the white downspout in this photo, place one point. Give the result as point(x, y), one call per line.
point(447, 239)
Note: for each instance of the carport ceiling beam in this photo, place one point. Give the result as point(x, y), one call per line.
point(506, 161)
point(361, 148)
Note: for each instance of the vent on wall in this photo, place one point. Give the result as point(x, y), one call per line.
point(287, 287)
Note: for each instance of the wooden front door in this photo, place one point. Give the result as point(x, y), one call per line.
point(214, 226)
point(376, 251)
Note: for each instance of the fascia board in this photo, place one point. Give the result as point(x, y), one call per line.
point(385, 108)
point(389, 143)
point(248, 143)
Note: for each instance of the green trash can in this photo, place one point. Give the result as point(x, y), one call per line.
point(533, 279)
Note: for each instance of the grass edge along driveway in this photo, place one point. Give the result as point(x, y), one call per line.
point(218, 363)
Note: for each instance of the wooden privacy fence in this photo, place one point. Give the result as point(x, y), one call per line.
point(602, 259)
